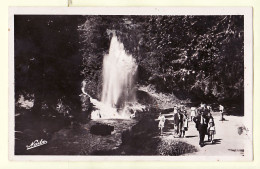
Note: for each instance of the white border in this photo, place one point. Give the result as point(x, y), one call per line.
point(248, 73)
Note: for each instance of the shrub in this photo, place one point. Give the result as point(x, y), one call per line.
point(174, 148)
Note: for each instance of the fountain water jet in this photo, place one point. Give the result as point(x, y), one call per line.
point(119, 70)
point(118, 92)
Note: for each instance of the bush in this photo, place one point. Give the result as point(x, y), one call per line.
point(174, 148)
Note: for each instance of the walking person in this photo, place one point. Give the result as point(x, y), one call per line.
point(161, 119)
point(185, 123)
point(178, 122)
point(173, 113)
point(202, 124)
point(210, 124)
point(175, 110)
point(221, 110)
point(211, 130)
point(192, 113)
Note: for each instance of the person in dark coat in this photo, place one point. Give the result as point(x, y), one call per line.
point(178, 122)
point(201, 124)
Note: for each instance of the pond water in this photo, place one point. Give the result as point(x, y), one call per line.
point(78, 140)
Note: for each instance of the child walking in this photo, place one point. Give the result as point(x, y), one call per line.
point(161, 119)
point(211, 130)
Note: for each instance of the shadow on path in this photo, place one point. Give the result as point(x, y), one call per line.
point(191, 136)
point(216, 141)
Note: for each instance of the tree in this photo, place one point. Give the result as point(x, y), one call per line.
point(196, 55)
point(47, 59)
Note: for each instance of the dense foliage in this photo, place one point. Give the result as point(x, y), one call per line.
point(47, 61)
point(201, 56)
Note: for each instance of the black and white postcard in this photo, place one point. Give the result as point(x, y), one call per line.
point(135, 84)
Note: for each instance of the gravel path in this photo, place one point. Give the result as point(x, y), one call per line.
point(228, 141)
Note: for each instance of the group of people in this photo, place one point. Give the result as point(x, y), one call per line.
point(202, 117)
point(180, 121)
point(205, 124)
